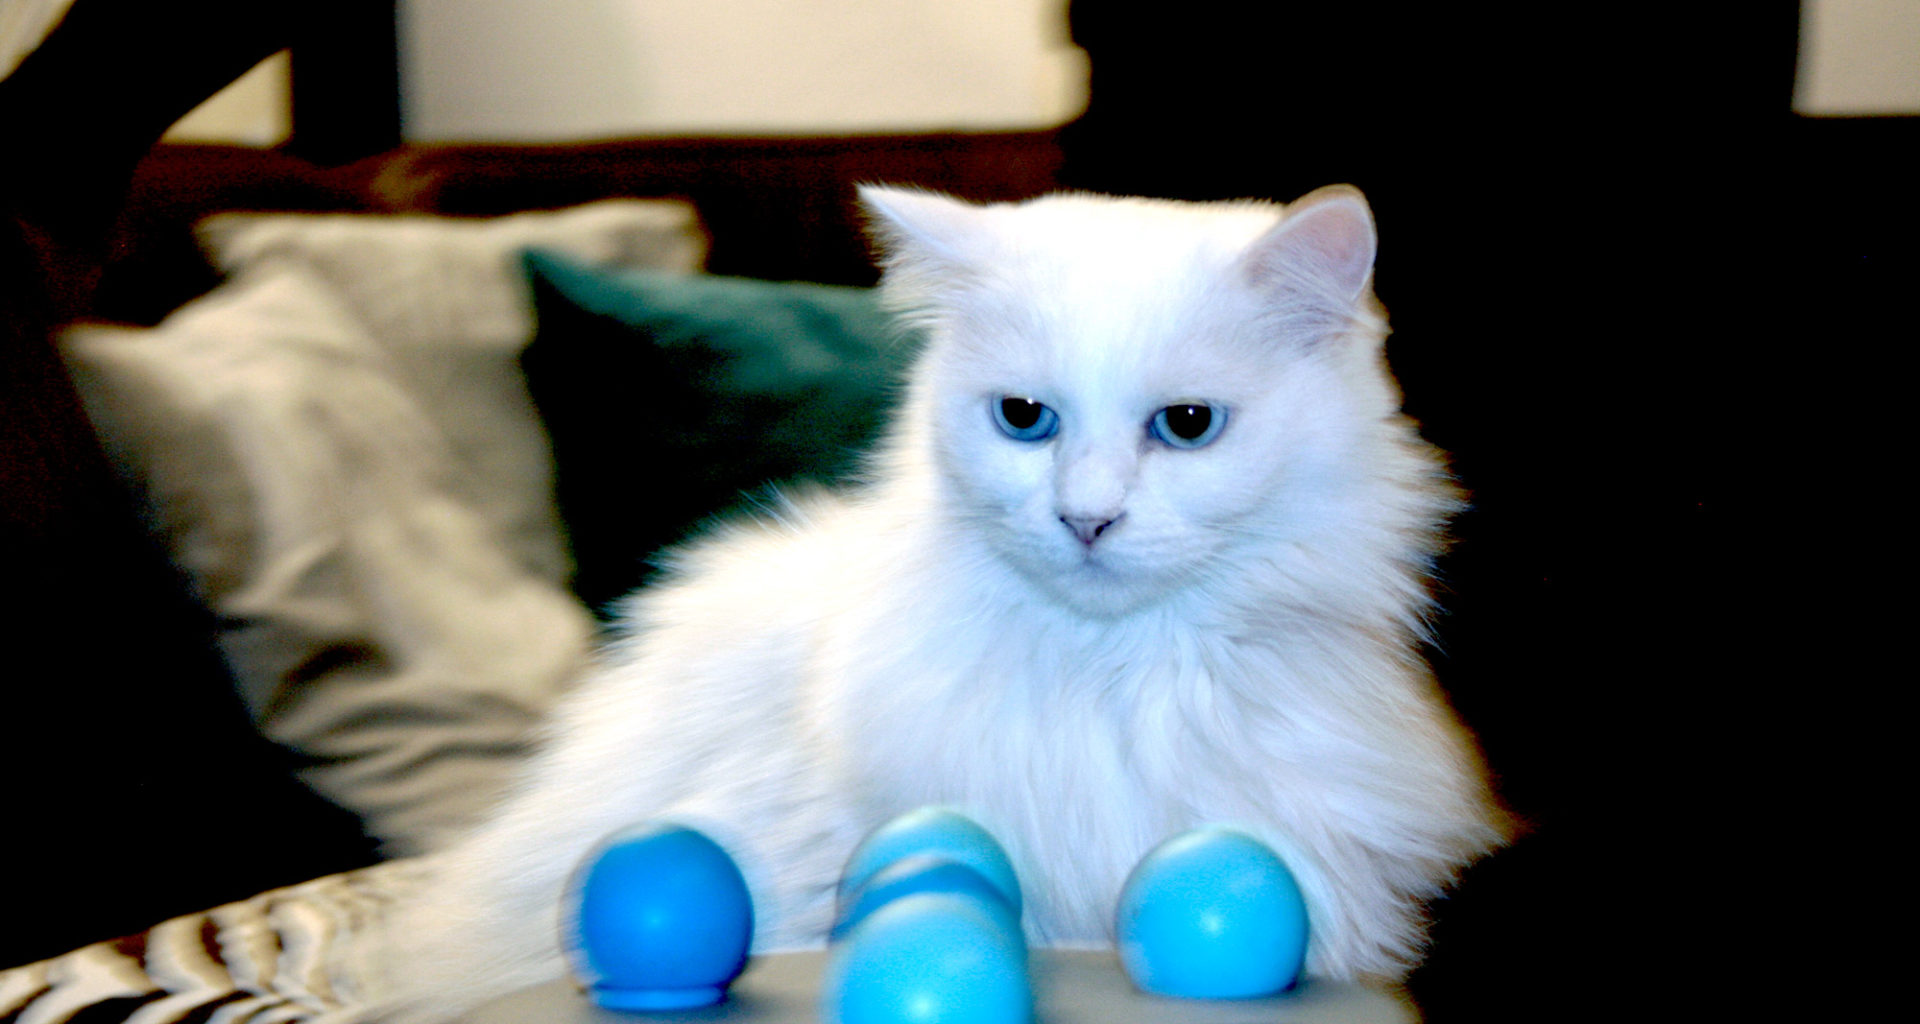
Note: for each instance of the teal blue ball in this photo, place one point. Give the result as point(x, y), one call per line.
point(1212, 914)
point(925, 872)
point(938, 831)
point(658, 918)
point(928, 958)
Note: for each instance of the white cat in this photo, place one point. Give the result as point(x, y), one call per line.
point(1146, 549)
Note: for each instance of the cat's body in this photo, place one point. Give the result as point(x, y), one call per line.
point(1088, 624)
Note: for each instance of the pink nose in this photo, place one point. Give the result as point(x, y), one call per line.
point(1087, 528)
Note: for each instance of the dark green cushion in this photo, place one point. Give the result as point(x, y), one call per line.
point(671, 398)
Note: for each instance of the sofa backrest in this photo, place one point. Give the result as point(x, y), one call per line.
point(777, 208)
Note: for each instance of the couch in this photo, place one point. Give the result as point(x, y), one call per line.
point(296, 396)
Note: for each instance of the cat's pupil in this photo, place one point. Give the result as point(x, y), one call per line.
point(1188, 421)
point(1020, 413)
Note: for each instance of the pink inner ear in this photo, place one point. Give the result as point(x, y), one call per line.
point(1330, 241)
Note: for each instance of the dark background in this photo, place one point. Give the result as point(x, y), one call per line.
point(1651, 313)
point(1646, 307)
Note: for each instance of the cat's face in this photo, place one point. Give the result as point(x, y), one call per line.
point(1118, 404)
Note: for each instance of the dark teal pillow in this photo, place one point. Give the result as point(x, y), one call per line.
point(671, 398)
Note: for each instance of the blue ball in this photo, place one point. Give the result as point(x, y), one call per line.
point(927, 958)
point(925, 872)
point(934, 830)
point(1212, 914)
point(659, 918)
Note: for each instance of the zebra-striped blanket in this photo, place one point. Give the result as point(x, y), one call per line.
point(283, 957)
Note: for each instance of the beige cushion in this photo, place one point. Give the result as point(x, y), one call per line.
point(446, 297)
point(376, 616)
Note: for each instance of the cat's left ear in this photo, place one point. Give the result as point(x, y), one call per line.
point(1318, 260)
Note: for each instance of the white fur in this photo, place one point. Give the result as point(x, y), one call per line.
point(1240, 646)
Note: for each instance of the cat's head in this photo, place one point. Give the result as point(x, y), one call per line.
point(1128, 398)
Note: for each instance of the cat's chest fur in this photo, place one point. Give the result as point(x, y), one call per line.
point(1081, 743)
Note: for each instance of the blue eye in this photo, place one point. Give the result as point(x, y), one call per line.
point(1024, 419)
point(1188, 426)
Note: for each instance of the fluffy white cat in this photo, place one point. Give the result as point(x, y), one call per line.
point(1147, 548)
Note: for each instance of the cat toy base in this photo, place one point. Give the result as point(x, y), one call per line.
point(1069, 987)
point(929, 929)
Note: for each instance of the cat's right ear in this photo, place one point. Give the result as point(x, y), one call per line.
point(914, 225)
point(929, 246)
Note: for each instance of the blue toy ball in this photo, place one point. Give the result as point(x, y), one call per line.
point(928, 958)
point(925, 872)
point(659, 919)
point(931, 830)
point(1212, 914)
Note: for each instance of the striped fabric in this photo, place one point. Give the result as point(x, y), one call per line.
point(282, 957)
